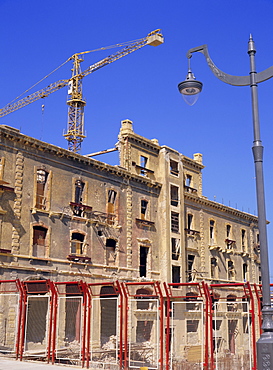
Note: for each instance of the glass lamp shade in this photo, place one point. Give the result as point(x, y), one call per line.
point(190, 89)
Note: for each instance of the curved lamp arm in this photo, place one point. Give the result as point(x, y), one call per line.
point(230, 79)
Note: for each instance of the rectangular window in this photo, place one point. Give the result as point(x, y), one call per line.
point(79, 186)
point(175, 222)
point(143, 164)
point(175, 248)
point(175, 274)
point(190, 267)
point(231, 270)
point(213, 267)
point(189, 221)
point(111, 204)
point(76, 243)
point(188, 180)
point(243, 238)
point(245, 272)
point(174, 168)
point(39, 241)
point(192, 326)
point(143, 209)
point(228, 231)
point(174, 195)
point(143, 254)
point(212, 231)
point(42, 187)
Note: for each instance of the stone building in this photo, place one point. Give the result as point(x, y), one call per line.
point(65, 216)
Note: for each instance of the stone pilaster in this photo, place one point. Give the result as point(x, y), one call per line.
point(17, 208)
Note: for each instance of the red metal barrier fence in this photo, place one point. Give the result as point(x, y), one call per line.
point(114, 325)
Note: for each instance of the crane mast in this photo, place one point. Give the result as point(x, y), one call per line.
point(75, 101)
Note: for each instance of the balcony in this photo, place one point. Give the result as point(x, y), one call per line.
point(144, 222)
point(192, 232)
point(78, 258)
point(189, 189)
point(231, 245)
point(79, 209)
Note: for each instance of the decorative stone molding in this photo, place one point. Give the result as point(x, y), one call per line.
point(17, 207)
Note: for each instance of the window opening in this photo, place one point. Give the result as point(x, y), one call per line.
point(143, 164)
point(174, 168)
point(175, 248)
point(112, 194)
point(232, 329)
point(188, 180)
point(213, 267)
point(258, 238)
point(231, 305)
point(140, 294)
point(192, 326)
point(72, 313)
point(143, 331)
point(79, 186)
point(191, 296)
point(243, 238)
point(211, 231)
point(189, 221)
point(108, 316)
point(175, 274)
point(143, 261)
point(39, 241)
point(111, 244)
point(111, 200)
point(42, 187)
point(174, 195)
point(190, 267)
point(143, 209)
point(77, 240)
point(245, 272)
point(231, 270)
point(228, 231)
point(175, 222)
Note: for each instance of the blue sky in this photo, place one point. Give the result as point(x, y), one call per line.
point(38, 36)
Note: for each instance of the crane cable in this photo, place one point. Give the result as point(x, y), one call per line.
point(61, 65)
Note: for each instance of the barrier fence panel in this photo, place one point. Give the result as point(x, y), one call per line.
point(233, 326)
point(143, 336)
point(187, 335)
point(104, 338)
point(37, 326)
point(232, 335)
point(69, 328)
point(9, 315)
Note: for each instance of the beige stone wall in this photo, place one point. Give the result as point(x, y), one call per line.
point(173, 228)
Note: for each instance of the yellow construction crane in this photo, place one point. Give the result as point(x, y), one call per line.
point(75, 101)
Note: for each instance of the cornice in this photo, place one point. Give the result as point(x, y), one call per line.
point(15, 136)
point(141, 141)
point(220, 207)
point(192, 163)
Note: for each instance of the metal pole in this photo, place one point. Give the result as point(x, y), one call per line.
point(265, 343)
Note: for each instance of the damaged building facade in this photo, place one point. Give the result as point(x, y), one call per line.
point(66, 218)
point(64, 215)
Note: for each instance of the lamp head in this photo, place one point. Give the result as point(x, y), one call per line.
point(190, 88)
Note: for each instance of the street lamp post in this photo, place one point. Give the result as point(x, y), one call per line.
point(265, 343)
